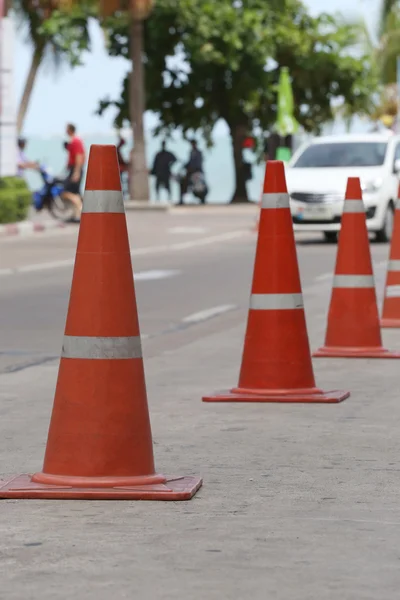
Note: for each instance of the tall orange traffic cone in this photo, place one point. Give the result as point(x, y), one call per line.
point(276, 363)
point(391, 302)
point(99, 444)
point(353, 321)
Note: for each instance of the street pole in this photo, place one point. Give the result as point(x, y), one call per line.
point(397, 121)
point(2, 14)
point(8, 133)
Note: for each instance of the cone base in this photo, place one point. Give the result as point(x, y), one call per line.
point(354, 352)
point(303, 396)
point(390, 323)
point(22, 487)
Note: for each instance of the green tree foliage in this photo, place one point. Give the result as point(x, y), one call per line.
point(383, 46)
point(57, 34)
point(208, 60)
point(389, 42)
point(67, 32)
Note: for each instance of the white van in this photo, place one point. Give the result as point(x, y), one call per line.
point(317, 176)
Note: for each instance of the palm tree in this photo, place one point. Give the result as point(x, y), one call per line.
point(387, 56)
point(138, 11)
point(389, 40)
point(383, 47)
point(33, 14)
point(33, 18)
point(386, 9)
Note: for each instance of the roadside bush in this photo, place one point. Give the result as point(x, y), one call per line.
point(15, 199)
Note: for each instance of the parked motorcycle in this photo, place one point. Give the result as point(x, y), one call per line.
point(49, 196)
point(196, 184)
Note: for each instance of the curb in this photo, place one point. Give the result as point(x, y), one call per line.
point(214, 207)
point(27, 228)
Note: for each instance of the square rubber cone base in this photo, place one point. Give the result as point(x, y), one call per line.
point(321, 398)
point(334, 352)
point(390, 323)
point(22, 487)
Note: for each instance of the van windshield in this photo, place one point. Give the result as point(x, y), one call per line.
point(346, 154)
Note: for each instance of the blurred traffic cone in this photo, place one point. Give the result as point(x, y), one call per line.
point(276, 363)
point(353, 321)
point(391, 302)
point(99, 444)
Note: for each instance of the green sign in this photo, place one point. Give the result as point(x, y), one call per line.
point(286, 124)
point(283, 154)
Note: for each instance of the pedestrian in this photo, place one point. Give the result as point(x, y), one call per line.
point(194, 165)
point(124, 166)
point(76, 161)
point(23, 163)
point(161, 170)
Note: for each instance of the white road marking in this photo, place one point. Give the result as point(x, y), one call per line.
point(208, 313)
point(154, 274)
point(223, 237)
point(324, 277)
point(231, 235)
point(382, 263)
point(187, 230)
point(328, 277)
point(44, 266)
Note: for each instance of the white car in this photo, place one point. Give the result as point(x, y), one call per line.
point(317, 177)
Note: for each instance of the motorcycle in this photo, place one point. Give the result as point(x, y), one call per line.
point(49, 196)
point(196, 184)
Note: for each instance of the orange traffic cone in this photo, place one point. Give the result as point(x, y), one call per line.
point(99, 444)
point(353, 321)
point(391, 302)
point(276, 363)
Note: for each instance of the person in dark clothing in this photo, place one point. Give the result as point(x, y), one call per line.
point(163, 162)
point(194, 165)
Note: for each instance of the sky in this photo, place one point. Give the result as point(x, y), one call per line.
point(60, 97)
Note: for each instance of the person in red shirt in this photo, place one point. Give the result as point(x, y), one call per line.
point(76, 161)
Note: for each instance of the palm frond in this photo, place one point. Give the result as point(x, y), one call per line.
point(388, 6)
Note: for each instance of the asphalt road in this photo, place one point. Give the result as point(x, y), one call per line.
point(190, 267)
point(183, 265)
point(298, 501)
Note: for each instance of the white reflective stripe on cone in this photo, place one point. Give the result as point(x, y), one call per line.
point(276, 301)
point(353, 206)
point(353, 281)
point(394, 265)
point(398, 204)
point(103, 201)
point(392, 291)
point(278, 200)
point(101, 347)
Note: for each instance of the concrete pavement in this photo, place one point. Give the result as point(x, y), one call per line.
point(298, 501)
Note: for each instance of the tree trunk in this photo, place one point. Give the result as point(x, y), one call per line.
point(238, 135)
point(29, 84)
point(139, 179)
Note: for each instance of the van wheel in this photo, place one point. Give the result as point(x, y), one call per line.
point(330, 236)
point(385, 234)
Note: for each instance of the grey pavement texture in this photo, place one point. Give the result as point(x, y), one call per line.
point(299, 501)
